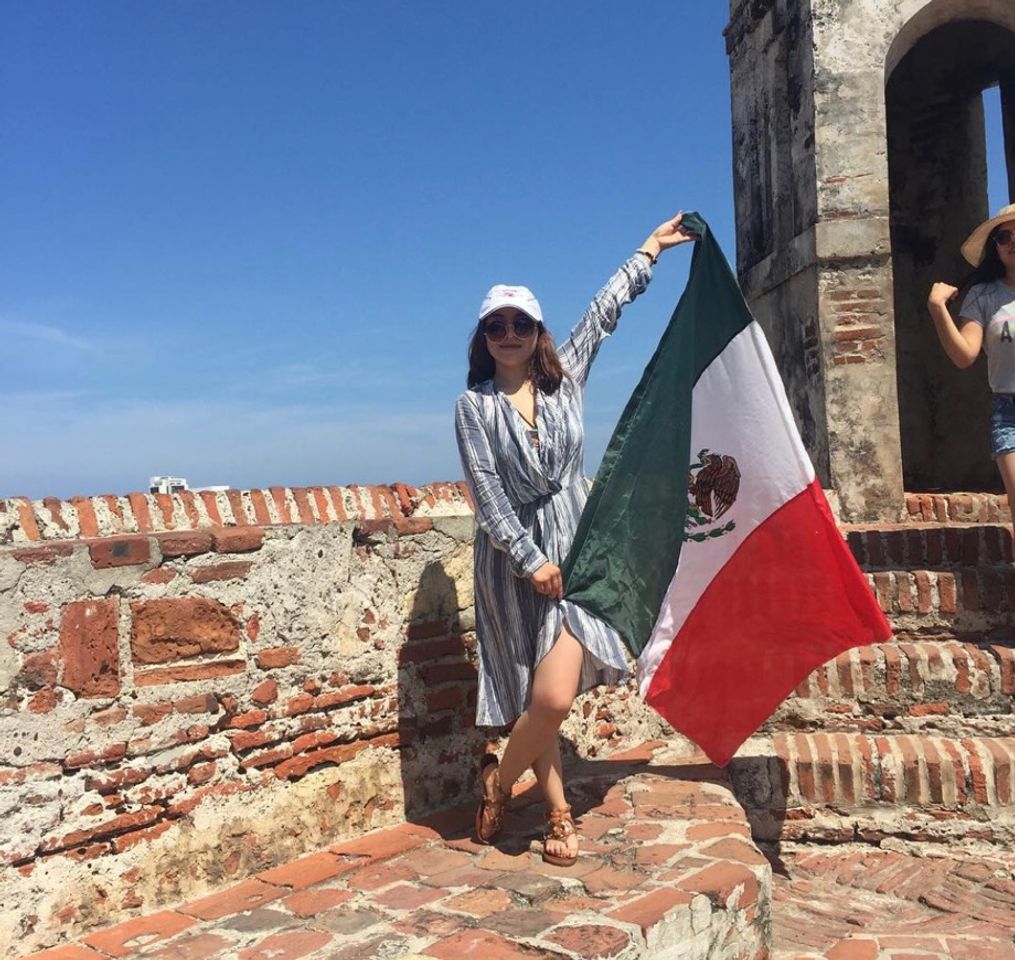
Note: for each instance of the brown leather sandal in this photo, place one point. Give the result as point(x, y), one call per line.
point(493, 806)
point(560, 826)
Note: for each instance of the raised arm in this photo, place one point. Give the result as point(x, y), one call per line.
point(600, 319)
point(601, 316)
point(494, 512)
point(961, 344)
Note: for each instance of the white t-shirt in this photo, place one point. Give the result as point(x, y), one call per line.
point(992, 306)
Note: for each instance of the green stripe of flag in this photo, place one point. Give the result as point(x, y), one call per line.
point(629, 536)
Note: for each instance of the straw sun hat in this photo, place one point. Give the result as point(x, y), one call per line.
point(972, 249)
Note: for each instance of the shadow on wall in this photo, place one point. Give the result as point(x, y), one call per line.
point(761, 786)
point(441, 745)
point(437, 686)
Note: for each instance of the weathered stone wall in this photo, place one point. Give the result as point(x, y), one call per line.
point(814, 240)
point(796, 346)
point(197, 687)
point(816, 270)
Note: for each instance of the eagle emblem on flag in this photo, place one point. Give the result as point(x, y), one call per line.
point(712, 486)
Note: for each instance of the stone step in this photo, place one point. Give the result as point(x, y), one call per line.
point(951, 687)
point(971, 603)
point(849, 787)
point(887, 546)
point(957, 508)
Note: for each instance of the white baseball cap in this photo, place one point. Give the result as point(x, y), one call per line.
point(503, 295)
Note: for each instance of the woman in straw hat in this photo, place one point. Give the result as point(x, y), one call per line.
point(520, 435)
point(987, 322)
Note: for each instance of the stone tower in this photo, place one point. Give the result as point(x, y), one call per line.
point(859, 167)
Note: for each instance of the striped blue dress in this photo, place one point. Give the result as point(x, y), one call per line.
point(529, 488)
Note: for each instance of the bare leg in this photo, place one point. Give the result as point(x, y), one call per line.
point(534, 741)
point(549, 770)
point(553, 691)
point(1006, 464)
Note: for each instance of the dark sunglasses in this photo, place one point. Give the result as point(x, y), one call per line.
point(497, 330)
point(1004, 237)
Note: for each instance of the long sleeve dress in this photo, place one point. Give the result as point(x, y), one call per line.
point(529, 488)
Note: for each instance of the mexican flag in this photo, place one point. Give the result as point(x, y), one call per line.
point(707, 542)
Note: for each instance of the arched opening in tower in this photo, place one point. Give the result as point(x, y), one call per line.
point(937, 165)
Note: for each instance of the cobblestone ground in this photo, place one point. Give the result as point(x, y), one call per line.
point(911, 903)
point(658, 845)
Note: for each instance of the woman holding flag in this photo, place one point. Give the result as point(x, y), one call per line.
point(520, 435)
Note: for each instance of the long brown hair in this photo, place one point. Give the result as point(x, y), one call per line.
point(545, 370)
point(991, 267)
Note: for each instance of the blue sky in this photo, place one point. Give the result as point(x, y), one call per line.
point(244, 242)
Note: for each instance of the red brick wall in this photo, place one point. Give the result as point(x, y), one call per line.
point(860, 316)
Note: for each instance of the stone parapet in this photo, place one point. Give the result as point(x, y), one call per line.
point(24, 521)
point(169, 697)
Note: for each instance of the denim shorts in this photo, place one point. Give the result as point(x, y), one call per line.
point(1002, 423)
